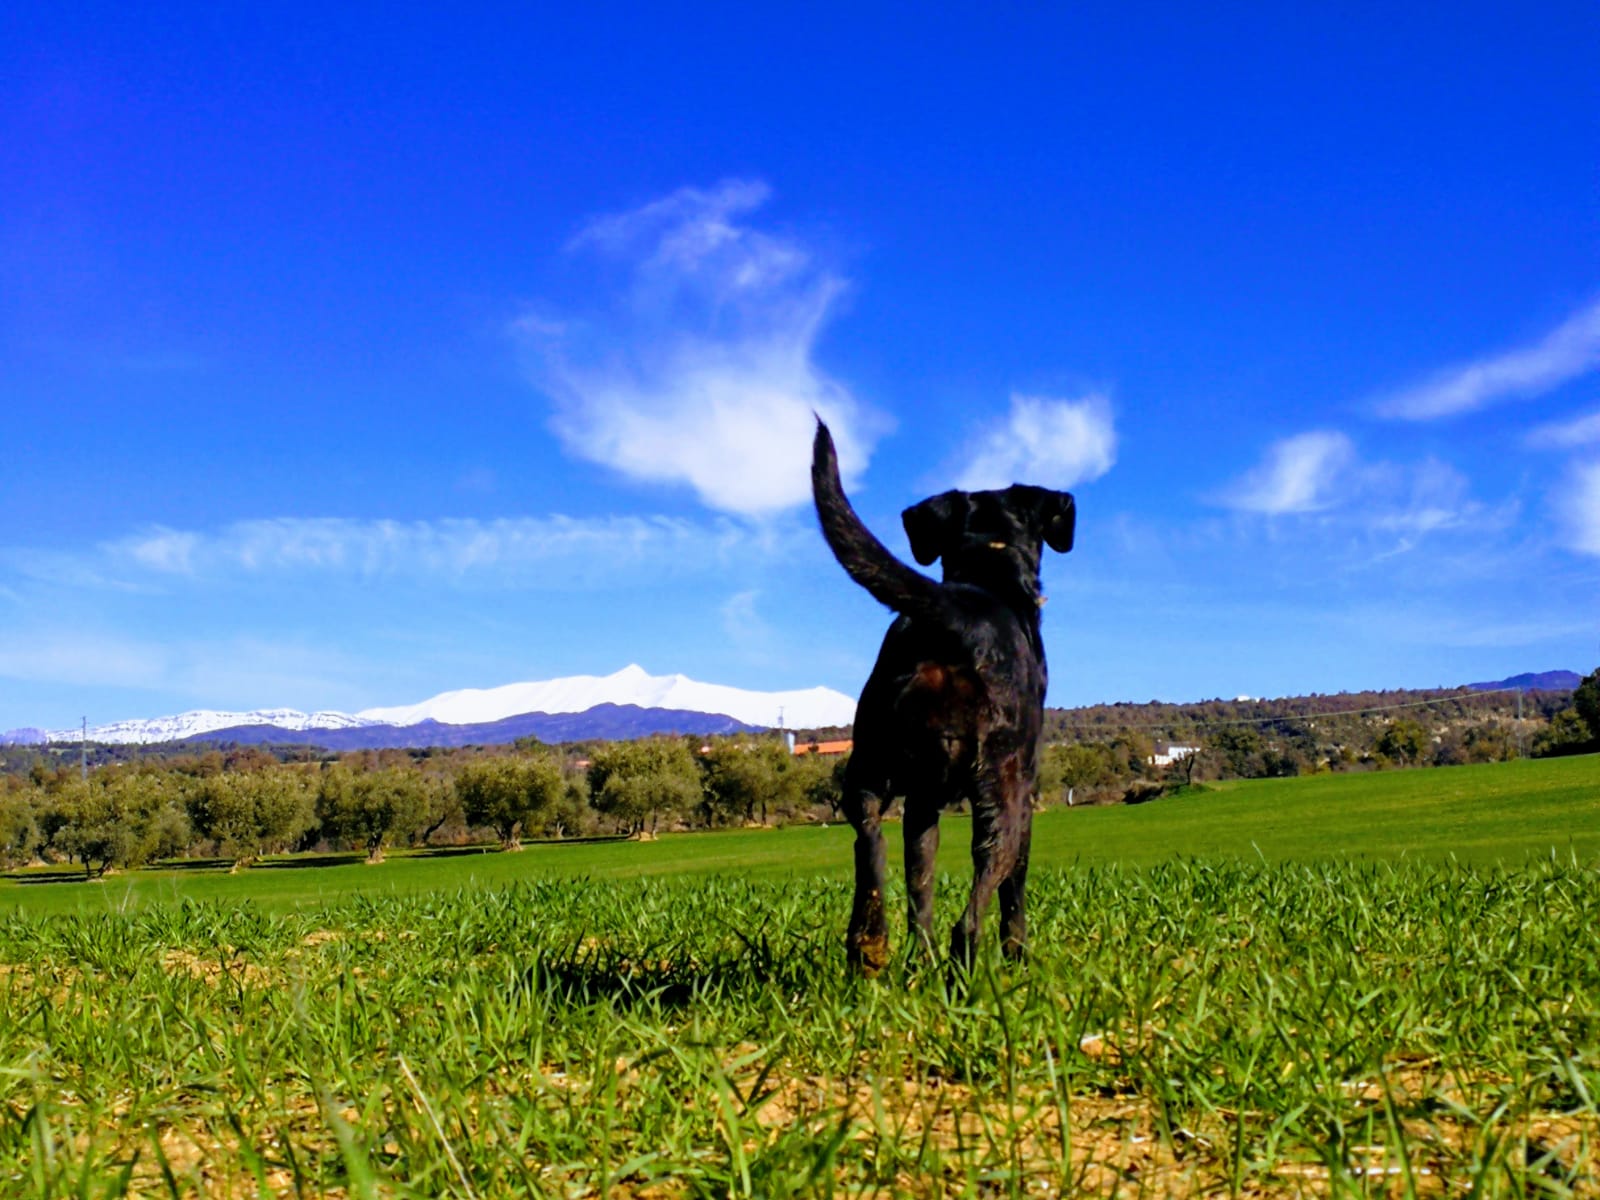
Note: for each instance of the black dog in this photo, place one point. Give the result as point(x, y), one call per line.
point(954, 705)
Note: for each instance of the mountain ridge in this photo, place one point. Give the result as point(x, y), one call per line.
point(462, 712)
point(576, 713)
point(1544, 681)
point(603, 722)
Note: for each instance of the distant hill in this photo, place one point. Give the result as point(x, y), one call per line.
point(609, 722)
point(460, 717)
point(1543, 681)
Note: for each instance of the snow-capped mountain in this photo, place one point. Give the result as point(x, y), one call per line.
point(631, 686)
point(201, 721)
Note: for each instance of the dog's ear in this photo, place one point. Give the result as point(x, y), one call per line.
point(932, 524)
point(1058, 520)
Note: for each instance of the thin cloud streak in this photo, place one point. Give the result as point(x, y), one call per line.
point(1045, 441)
point(526, 551)
point(1565, 435)
point(1362, 515)
point(701, 371)
point(1568, 351)
point(1298, 475)
point(1580, 508)
point(449, 548)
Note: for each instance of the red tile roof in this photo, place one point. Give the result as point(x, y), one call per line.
point(839, 747)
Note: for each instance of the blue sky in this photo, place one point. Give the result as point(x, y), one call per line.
point(349, 354)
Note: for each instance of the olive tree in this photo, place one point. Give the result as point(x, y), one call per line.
point(572, 815)
point(19, 825)
point(117, 819)
point(1586, 703)
point(743, 778)
point(371, 808)
point(1066, 770)
point(821, 780)
point(639, 782)
point(441, 803)
point(1567, 733)
point(88, 830)
point(1403, 741)
point(510, 794)
point(251, 813)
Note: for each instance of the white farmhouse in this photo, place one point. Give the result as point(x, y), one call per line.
point(1167, 753)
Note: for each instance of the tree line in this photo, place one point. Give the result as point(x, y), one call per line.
point(243, 803)
point(140, 805)
point(1104, 752)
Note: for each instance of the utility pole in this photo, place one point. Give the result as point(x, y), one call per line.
point(1519, 723)
point(83, 752)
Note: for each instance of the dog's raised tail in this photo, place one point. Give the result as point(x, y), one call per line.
point(867, 560)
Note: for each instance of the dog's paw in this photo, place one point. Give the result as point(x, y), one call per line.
point(868, 955)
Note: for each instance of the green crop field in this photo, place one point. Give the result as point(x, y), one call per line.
point(1492, 813)
point(1355, 985)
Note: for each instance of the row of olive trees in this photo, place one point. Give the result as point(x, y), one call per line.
point(130, 815)
point(730, 781)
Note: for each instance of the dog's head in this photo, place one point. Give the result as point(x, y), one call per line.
point(992, 540)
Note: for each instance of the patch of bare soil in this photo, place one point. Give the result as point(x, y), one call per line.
point(207, 1158)
point(1099, 1144)
point(1111, 1142)
point(213, 970)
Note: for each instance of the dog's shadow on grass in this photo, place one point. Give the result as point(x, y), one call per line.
point(659, 976)
point(673, 976)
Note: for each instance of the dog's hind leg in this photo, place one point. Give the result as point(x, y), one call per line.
point(1014, 894)
point(921, 830)
point(996, 841)
point(867, 943)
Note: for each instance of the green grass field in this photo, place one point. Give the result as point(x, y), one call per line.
point(1374, 985)
point(1500, 812)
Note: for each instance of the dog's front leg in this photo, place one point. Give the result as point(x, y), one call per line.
point(921, 829)
point(867, 943)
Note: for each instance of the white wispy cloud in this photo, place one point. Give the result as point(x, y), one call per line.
point(440, 548)
point(169, 551)
point(701, 369)
point(1565, 435)
point(747, 630)
point(1367, 512)
point(1579, 505)
point(1327, 514)
point(1413, 501)
point(1045, 441)
point(1566, 352)
point(1417, 499)
point(542, 552)
point(1299, 474)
